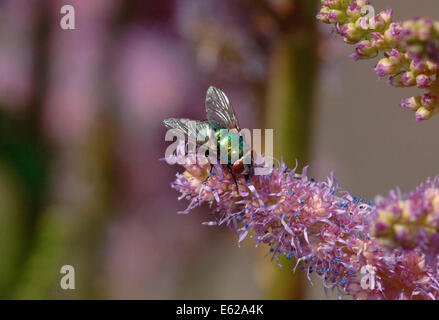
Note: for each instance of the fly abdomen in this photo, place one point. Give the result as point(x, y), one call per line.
point(231, 147)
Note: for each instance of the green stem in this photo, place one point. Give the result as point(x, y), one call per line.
point(289, 109)
point(290, 96)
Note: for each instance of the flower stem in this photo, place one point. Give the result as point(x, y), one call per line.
point(289, 108)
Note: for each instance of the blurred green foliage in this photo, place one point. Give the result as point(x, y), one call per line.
point(42, 267)
point(290, 95)
point(11, 229)
point(23, 181)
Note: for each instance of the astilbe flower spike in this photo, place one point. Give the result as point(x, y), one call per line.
point(321, 227)
point(409, 49)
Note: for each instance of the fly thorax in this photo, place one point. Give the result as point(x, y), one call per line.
point(231, 147)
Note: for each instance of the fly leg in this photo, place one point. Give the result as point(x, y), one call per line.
point(234, 177)
point(210, 173)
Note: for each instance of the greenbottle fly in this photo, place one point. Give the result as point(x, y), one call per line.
point(220, 116)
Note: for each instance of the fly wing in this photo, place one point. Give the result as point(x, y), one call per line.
point(197, 129)
point(185, 126)
point(219, 110)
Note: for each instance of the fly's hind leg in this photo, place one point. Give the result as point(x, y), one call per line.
point(210, 173)
point(234, 177)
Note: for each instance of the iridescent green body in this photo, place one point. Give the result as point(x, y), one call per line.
point(233, 143)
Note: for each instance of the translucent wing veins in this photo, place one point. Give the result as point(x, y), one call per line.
point(219, 110)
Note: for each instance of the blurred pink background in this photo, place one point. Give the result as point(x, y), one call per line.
point(81, 138)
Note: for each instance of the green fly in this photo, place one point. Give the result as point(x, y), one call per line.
point(220, 116)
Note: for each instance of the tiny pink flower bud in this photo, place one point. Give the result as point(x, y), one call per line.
point(396, 57)
point(393, 34)
point(386, 16)
point(383, 19)
point(365, 50)
point(418, 67)
point(423, 81)
point(378, 40)
point(362, 3)
point(429, 100)
point(323, 15)
point(412, 103)
point(424, 30)
point(350, 33)
point(386, 67)
point(408, 79)
point(409, 27)
point(423, 113)
point(336, 16)
point(432, 67)
point(354, 11)
point(405, 79)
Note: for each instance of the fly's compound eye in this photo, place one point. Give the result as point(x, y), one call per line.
point(238, 167)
